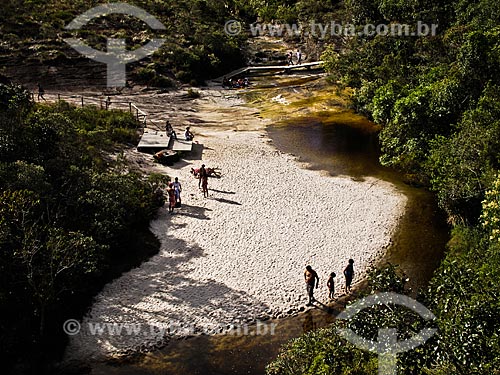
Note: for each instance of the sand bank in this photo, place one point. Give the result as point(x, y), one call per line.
point(239, 255)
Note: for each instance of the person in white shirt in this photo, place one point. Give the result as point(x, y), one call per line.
point(299, 57)
point(177, 190)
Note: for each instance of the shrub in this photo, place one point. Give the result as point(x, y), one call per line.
point(193, 94)
point(162, 82)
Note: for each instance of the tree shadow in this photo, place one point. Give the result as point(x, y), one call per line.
point(193, 211)
point(179, 225)
point(163, 291)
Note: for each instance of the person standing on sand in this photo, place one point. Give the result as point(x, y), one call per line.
point(199, 174)
point(203, 180)
point(311, 278)
point(331, 285)
point(177, 190)
point(349, 275)
point(171, 197)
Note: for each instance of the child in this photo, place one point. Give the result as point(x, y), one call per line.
point(331, 285)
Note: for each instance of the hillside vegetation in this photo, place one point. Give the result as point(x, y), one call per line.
point(32, 46)
point(196, 48)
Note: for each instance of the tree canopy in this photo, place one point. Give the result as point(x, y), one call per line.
point(68, 212)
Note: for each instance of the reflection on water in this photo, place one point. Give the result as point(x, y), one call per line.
point(221, 355)
point(308, 324)
point(350, 150)
point(338, 148)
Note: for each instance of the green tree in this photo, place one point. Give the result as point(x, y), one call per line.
point(51, 261)
point(464, 164)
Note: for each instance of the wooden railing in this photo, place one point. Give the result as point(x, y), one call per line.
point(106, 102)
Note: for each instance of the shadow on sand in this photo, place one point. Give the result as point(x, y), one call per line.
point(223, 200)
point(162, 292)
point(193, 211)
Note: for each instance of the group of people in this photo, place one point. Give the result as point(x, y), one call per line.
point(188, 135)
point(174, 189)
point(312, 280)
point(235, 84)
point(289, 56)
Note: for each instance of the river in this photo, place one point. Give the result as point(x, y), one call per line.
point(341, 148)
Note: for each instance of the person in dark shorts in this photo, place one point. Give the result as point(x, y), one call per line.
point(188, 135)
point(41, 92)
point(331, 285)
point(349, 275)
point(311, 278)
point(203, 180)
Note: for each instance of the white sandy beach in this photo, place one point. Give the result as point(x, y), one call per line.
point(239, 255)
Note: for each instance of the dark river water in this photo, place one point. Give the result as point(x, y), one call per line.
point(417, 248)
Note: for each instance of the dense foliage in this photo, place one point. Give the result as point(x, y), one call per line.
point(436, 96)
point(69, 214)
point(32, 33)
point(437, 99)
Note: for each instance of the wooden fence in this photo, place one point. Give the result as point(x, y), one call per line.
point(106, 102)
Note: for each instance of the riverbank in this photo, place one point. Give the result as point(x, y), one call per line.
point(238, 256)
